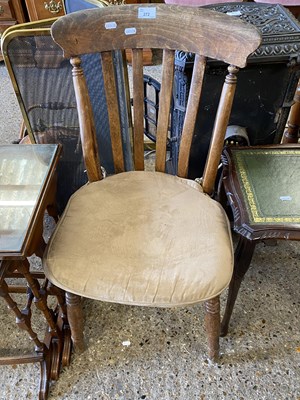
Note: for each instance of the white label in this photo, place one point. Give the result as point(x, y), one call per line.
point(285, 198)
point(110, 25)
point(130, 31)
point(147, 12)
point(234, 13)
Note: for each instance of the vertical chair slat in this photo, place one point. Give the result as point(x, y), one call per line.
point(219, 131)
point(86, 123)
point(138, 105)
point(164, 109)
point(127, 93)
point(191, 115)
point(113, 110)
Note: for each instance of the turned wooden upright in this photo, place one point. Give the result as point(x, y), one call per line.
point(291, 134)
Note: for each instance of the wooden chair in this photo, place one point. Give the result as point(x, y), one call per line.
point(262, 186)
point(147, 238)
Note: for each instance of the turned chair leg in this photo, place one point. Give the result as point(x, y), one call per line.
point(75, 319)
point(291, 133)
point(243, 256)
point(212, 325)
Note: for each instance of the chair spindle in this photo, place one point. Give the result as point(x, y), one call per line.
point(86, 123)
point(164, 108)
point(138, 104)
point(219, 130)
point(191, 115)
point(113, 110)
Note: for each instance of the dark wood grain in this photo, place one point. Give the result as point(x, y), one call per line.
point(291, 133)
point(218, 36)
point(191, 114)
point(212, 325)
point(75, 318)
point(86, 123)
point(164, 109)
point(138, 104)
point(219, 131)
point(113, 110)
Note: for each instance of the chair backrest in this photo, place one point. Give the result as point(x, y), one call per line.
point(159, 26)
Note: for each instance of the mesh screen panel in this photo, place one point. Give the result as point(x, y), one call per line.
point(45, 85)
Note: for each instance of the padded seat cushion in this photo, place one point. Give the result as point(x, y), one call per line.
point(143, 238)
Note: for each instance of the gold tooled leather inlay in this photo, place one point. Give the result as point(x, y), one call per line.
point(251, 200)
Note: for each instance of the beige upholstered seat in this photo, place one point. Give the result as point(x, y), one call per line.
point(143, 238)
point(147, 238)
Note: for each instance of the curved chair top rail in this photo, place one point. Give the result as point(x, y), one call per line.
point(199, 31)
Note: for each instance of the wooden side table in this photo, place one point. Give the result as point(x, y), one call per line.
point(27, 188)
point(262, 187)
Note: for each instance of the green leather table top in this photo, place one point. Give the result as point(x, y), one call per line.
point(270, 182)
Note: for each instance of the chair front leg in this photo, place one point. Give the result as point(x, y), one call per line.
point(75, 319)
point(212, 325)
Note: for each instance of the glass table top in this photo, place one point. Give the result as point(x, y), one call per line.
point(24, 171)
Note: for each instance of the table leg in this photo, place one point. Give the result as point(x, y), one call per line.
point(242, 259)
point(23, 317)
point(62, 323)
point(55, 350)
point(23, 320)
point(23, 267)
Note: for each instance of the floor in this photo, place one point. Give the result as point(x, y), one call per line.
point(157, 354)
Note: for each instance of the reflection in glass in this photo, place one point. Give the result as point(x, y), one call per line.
point(23, 171)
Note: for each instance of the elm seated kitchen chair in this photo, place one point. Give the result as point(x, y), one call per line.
point(147, 238)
